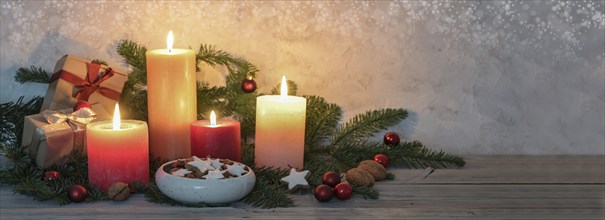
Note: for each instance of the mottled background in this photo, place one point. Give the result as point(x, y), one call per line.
point(478, 77)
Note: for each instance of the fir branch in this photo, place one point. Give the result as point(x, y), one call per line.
point(211, 99)
point(99, 61)
point(95, 194)
point(134, 92)
point(247, 153)
point(33, 74)
point(318, 165)
point(16, 154)
point(364, 125)
point(416, 155)
point(351, 153)
point(35, 187)
point(407, 154)
point(390, 176)
point(321, 122)
point(213, 57)
point(267, 194)
point(154, 164)
point(366, 192)
point(244, 110)
point(11, 119)
point(133, 54)
point(235, 65)
point(6, 177)
point(268, 191)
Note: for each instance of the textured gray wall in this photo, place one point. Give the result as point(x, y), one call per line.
point(479, 77)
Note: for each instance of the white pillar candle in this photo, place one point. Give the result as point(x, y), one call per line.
point(280, 130)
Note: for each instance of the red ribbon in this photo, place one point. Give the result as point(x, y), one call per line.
point(91, 84)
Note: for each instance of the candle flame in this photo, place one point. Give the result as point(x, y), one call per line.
point(284, 87)
point(212, 118)
point(116, 118)
point(169, 41)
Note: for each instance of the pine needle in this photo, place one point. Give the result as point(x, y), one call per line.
point(364, 125)
point(133, 54)
point(33, 74)
point(321, 122)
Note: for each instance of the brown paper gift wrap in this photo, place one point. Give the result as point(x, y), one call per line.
point(75, 78)
point(49, 143)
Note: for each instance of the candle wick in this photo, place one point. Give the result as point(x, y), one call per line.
point(169, 50)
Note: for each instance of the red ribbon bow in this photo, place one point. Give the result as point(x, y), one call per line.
point(91, 84)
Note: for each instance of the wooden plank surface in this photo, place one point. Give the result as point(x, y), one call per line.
point(489, 187)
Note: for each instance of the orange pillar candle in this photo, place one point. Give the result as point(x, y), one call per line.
point(280, 130)
point(216, 138)
point(118, 151)
point(171, 100)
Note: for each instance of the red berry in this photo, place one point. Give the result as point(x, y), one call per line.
point(330, 178)
point(343, 191)
point(51, 175)
point(391, 138)
point(382, 159)
point(81, 104)
point(323, 193)
point(77, 193)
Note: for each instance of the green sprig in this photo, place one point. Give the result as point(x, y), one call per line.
point(33, 74)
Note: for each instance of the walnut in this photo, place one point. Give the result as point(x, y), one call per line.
point(360, 177)
point(374, 168)
point(119, 191)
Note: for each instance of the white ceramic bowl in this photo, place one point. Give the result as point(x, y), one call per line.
point(211, 192)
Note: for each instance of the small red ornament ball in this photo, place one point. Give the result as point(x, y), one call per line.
point(323, 193)
point(382, 159)
point(391, 138)
point(330, 178)
point(343, 191)
point(248, 85)
point(51, 175)
point(77, 193)
point(81, 104)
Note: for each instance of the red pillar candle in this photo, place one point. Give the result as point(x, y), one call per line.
point(118, 151)
point(216, 138)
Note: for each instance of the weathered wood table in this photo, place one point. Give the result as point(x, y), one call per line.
point(489, 187)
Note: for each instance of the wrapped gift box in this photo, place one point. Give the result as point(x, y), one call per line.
point(75, 78)
point(48, 143)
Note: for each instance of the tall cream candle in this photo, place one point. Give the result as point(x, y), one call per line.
point(280, 130)
point(172, 103)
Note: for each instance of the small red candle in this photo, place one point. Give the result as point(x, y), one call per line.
point(216, 138)
point(118, 151)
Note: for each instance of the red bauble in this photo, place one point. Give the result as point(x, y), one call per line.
point(330, 178)
point(382, 159)
point(51, 175)
point(77, 193)
point(81, 104)
point(391, 138)
point(323, 193)
point(343, 191)
point(248, 85)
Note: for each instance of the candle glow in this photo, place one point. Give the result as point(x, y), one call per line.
point(116, 118)
point(169, 41)
point(212, 118)
point(284, 87)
